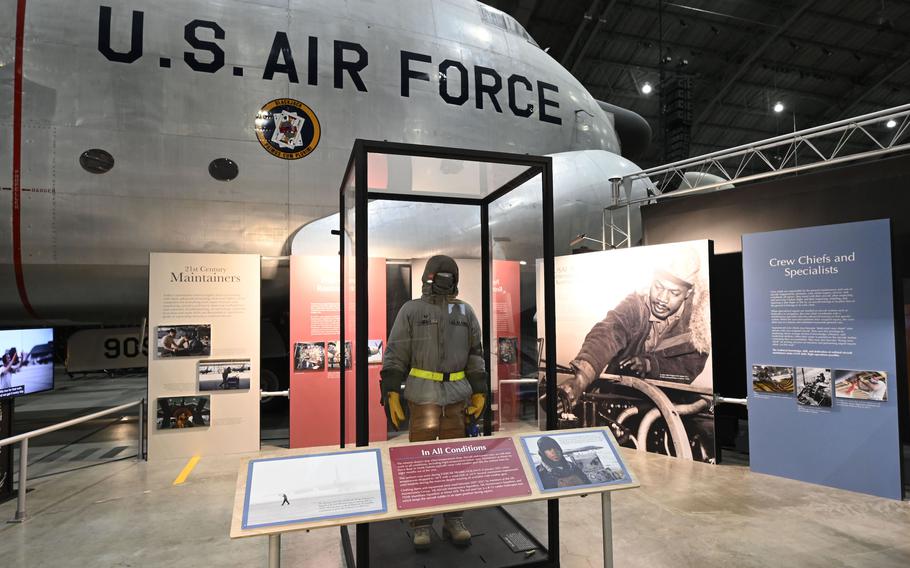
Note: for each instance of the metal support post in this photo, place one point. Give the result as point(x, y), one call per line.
point(274, 551)
point(23, 480)
point(607, 517)
point(627, 188)
point(614, 188)
point(140, 454)
point(628, 226)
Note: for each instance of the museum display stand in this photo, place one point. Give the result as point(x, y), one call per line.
point(506, 483)
point(493, 184)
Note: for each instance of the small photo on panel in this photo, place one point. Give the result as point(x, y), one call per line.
point(178, 412)
point(225, 374)
point(862, 385)
point(772, 379)
point(813, 386)
point(309, 356)
point(185, 340)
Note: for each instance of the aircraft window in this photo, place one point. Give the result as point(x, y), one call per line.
point(505, 22)
point(223, 169)
point(96, 161)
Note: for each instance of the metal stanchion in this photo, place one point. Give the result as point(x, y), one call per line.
point(274, 551)
point(22, 440)
point(607, 518)
point(139, 454)
point(23, 480)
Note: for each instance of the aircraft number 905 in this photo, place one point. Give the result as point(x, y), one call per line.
point(117, 347)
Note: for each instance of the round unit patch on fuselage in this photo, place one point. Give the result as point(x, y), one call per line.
point(287, 129)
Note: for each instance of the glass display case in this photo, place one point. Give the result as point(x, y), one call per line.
point(493, 213)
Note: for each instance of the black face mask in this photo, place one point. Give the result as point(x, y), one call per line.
point(443, 283)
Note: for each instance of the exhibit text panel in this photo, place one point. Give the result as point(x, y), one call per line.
point(316, 357)
point(447, 473)
point(821, 359)
point(203, 382)
point(312, 488)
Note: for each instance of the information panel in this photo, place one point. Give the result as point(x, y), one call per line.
point(203, 382)
point(316, 353)
point(821, 362)
point(312, 488)
point(298, 489)
point(445, 473)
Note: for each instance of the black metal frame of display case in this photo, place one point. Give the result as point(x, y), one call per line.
point(359, 556)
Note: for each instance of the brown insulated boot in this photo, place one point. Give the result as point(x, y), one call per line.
point(422, 538)
point(453, 528)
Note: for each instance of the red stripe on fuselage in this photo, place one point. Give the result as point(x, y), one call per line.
point(17, 160)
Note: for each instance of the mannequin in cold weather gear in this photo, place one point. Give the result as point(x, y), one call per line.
point(435, 350)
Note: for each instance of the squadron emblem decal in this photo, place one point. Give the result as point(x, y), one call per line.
point(287, 129)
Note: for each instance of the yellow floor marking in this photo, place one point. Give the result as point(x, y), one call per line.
point(187, 470)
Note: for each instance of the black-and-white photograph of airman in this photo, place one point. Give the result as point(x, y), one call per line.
point(813, 386)
point(633, 331)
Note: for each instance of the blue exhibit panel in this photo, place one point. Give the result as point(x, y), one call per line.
point(822, 298)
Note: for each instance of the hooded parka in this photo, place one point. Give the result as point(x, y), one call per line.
point(435, 334)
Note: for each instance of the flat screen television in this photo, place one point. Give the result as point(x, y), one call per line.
point(27, 365)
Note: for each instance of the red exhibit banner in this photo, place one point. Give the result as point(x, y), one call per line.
point(447, 473)
point(507, 338)
point(315, 350)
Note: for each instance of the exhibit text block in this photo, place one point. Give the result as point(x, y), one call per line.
point(431, 475)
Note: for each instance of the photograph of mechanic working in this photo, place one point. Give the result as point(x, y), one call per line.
point(233, 374)
point(813, 386)
point(179, 412)
point(184, 340)
point(309, 356)
point(862, 385)
point(634, 352)
point(771, 379)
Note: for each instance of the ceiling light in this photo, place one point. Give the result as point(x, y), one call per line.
point(778, 107)
point(646, 88)
point(891, 123)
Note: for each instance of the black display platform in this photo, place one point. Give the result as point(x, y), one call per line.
point(390, 544)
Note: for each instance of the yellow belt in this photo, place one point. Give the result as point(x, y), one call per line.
point(434, 376)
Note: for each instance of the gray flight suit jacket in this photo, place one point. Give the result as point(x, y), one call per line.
point(439, 334)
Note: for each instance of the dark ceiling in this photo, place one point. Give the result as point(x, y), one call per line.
point(725, 63)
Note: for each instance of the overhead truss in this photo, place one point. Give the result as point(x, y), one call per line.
point(862, 137)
